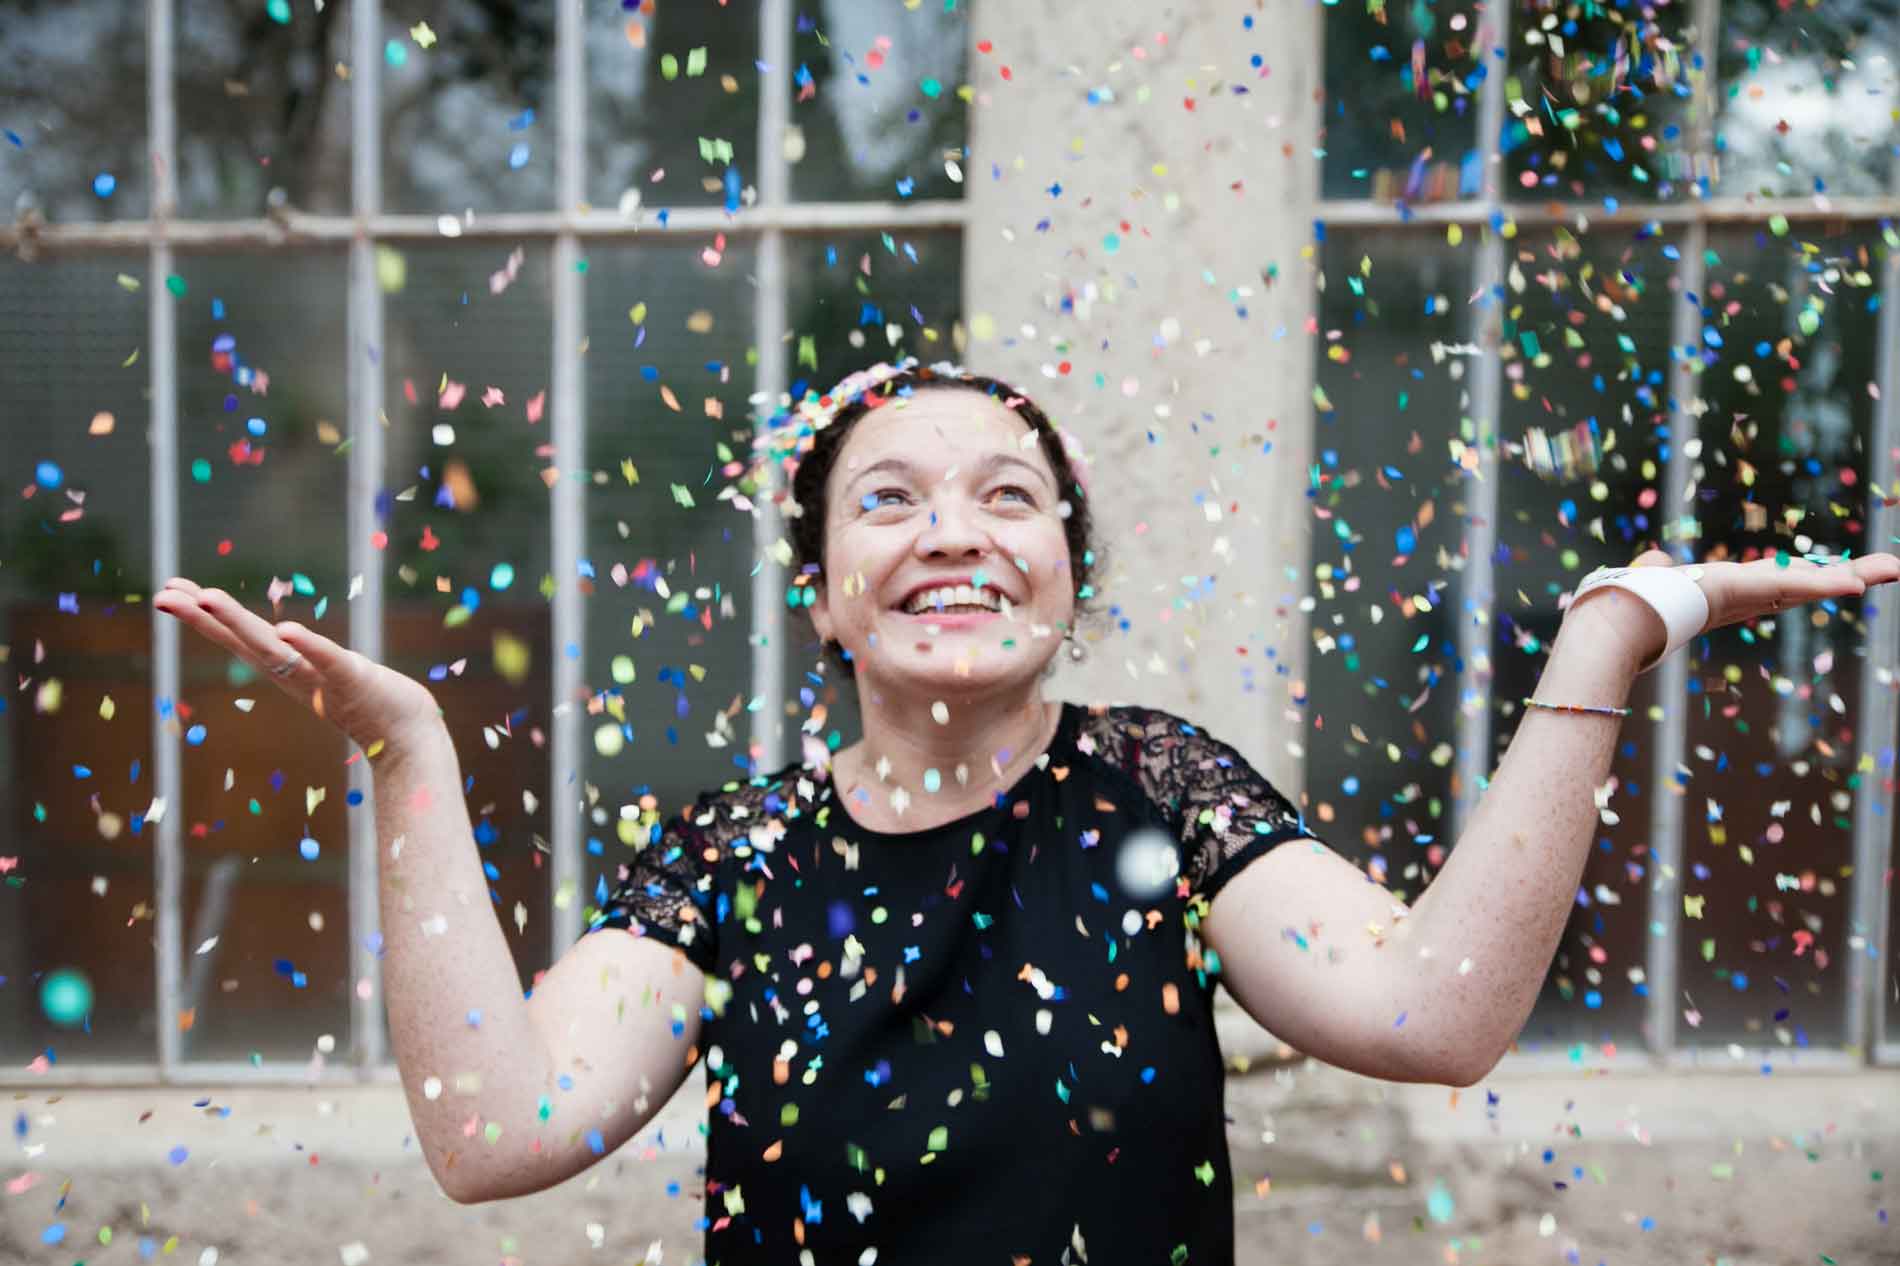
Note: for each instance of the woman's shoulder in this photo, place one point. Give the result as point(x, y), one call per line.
point(1128, 730)
point(756, 810)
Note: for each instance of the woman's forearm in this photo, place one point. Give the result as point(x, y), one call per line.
point(473, 1064)
point(1479, 940)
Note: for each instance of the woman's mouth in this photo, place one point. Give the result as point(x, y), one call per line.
point(955, 604)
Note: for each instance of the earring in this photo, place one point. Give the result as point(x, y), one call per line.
point(1077, 652)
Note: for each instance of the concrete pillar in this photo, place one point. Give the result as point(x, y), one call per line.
point(1143, 199)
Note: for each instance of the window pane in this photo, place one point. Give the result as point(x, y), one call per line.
point(1389, 506)
point(1598, 99)
point(1402, 86)
point(468, 343)
point(261, 415)
point(468, 105)
point(667, 564)
point(875, 107)
point(1788, 359)
point(673, 104)
point(77, 893)
point(1585, 423)
point(262, 105)
point(72, 110)
point(1810, 102)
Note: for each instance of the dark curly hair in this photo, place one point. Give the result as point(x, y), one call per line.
point(812, 475)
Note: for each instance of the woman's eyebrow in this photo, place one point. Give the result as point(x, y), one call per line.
point(895, 464)
point(997, 460)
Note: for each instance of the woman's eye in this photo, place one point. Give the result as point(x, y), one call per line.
point(1018, 491)
point(883, 497)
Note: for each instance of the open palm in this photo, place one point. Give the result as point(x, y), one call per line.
point(1738, 592)
point(366, 700)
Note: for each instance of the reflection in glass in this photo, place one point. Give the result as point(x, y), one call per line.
point(1585, 427)
point(468, 108)
point(76, 892)
point(1810, 100)
point(262, 491)
point(875, 107)
point(672, 105)
point(1788, 353)
point(1389, 505)
point(1598, 99)
point(1402, 87)
point(72, 111)
point(262, 105)
point(667, 562)
point(853, 300)
point(468, 351)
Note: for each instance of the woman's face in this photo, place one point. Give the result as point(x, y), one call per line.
point(943, 489)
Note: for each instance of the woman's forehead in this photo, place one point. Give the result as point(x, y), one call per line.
point(964, 422)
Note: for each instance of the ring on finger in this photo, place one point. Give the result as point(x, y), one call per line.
point(284, 669)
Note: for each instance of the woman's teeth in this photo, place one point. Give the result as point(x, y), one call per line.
point(955, 600)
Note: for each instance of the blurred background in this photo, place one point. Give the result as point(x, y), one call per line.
point(445, 326)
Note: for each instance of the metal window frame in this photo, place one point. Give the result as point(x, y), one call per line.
point(1866, 937)
point(568, 229)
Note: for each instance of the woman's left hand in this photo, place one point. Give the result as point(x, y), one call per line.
point(1737, 592)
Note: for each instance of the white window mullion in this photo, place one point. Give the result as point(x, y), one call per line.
point(1477, 586)
point(1879, 713)
point(364, 375)
point(568, 427)
point(771, 378)
point(167, 844)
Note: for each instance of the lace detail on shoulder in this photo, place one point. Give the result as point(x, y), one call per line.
point(1224, 812)
point(670, 887)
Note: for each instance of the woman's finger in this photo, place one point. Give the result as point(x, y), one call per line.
point(250, 637)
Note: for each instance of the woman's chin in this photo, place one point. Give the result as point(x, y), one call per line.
point(955, 665)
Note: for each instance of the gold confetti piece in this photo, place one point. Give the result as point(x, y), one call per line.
point(422, 35)
point(102, 422)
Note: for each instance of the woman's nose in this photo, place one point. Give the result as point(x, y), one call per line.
point(954, 527)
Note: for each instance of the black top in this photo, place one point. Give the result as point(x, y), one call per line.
point(987, 1042)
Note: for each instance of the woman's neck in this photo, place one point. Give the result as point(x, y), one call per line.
point(920, 764)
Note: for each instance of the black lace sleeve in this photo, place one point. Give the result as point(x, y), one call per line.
point(1226, 814)
point(667, 889)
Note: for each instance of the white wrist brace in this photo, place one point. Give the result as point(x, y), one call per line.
point(1668, 591)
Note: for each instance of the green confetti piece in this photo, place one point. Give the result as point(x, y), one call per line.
point(176, 285)
point(696, 62)
point(669, 66)
point(939, 1139)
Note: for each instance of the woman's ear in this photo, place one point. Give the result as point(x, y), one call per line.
point(820, 609)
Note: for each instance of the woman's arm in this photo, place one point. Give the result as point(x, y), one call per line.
point(1438, 992)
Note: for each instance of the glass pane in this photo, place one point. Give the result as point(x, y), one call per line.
point(76, 892)
point(468, 342)
point(667, 564)
point(72, 110)
point(262, 105)
point(1390, 507)
point(1585, 423)
point(1810, 103)
point(1788, 360)
point(1598, 100)
point(673, 104)
point(468, 105)
point(875, 107)
point(261, 414)
point(1402, 86)
point(851, 301)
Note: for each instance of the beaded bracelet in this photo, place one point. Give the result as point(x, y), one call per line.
point(1576, 707)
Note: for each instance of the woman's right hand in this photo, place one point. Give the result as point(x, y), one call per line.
point(366, 700)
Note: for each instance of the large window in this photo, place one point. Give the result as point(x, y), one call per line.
point(1597, 277)
point(444, 327)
